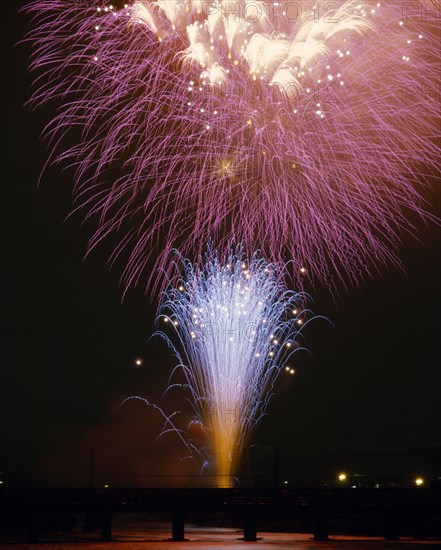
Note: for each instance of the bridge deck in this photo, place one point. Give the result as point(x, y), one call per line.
point(337, 500)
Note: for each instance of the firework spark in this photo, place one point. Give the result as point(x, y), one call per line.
point(236, 327)
point(307, 130)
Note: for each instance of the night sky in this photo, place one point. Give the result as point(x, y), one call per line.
point(371, 384)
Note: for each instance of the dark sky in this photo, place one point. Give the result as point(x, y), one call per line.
point(373, 384)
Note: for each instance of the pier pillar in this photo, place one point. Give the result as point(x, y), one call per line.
point(321, 525)
point(249, 526)
point(178, 525)
point(106, 526)
point(32, 528)
point(391, 526)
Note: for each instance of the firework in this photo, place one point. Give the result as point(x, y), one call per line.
point(236, 326)
point(307, 130)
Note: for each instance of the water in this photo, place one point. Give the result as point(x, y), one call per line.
point(217, 539)
point(336, 545)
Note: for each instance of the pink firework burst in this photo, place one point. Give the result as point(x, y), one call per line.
point(308, 130)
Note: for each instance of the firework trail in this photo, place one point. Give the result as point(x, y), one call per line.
point(236, 326)
point(307, 130)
